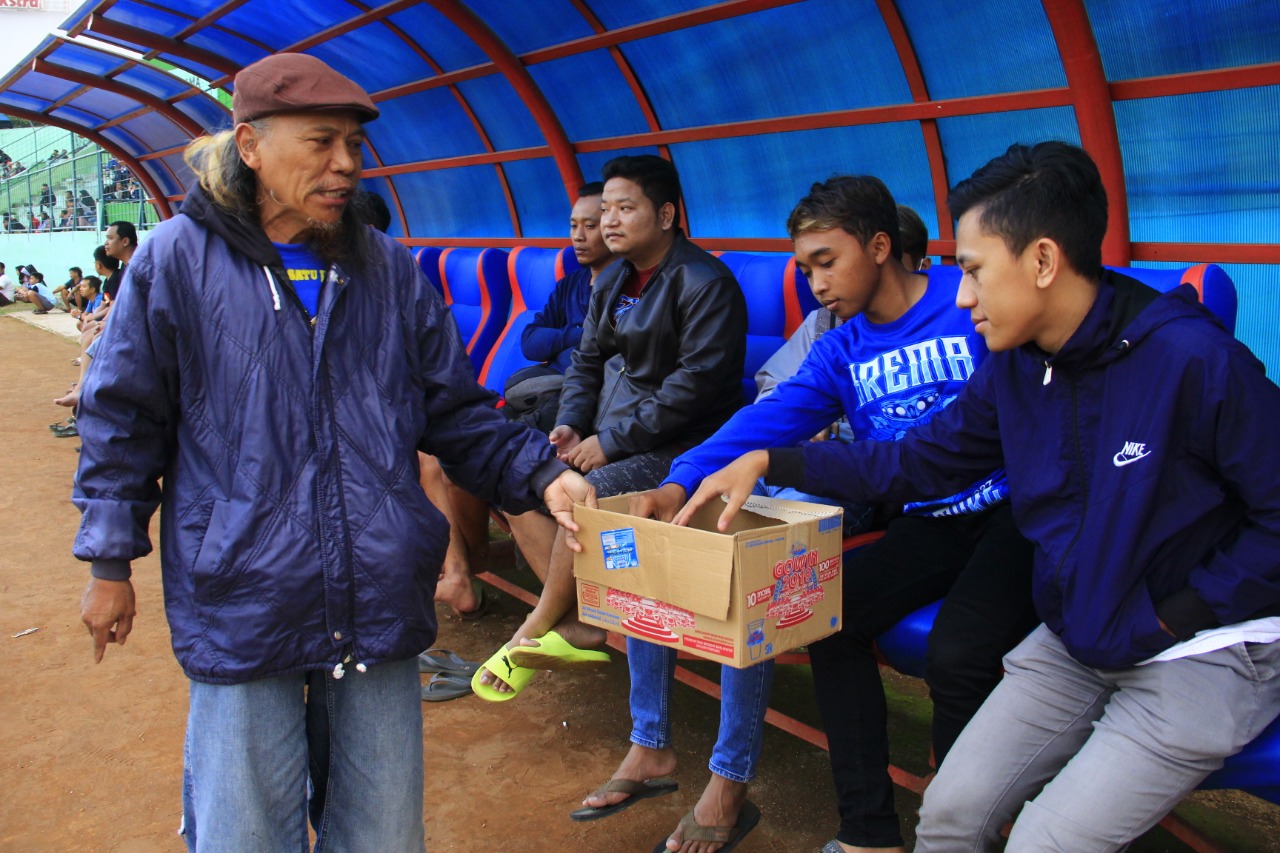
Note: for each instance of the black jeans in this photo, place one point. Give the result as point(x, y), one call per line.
point(982, 565)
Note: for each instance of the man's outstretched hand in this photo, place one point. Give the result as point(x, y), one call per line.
point(107, 609)
point(734, 482)
point(566, 490)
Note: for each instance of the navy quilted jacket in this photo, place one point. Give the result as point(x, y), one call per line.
point(1142, 467)
point(294, 532)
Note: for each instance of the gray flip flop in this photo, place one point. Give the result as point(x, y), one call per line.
point(443, 660)
point(730, 836)
point(442, 687)
point(635, 791)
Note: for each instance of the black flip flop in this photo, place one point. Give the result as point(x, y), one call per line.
point(635, 791)
point(729, 836)
point(443, 660)
point(442, 687)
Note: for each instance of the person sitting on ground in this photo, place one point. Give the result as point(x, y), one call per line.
point(36, 292)
point(69, 292)
point(965, 546)
point(1133, 429)
point(7, 290)
point(622, 427)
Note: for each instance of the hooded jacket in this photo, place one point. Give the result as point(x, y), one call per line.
point(1140, 464)
point(294, 532)
point(683, 349)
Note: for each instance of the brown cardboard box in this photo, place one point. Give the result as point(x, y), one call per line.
point(770, 584)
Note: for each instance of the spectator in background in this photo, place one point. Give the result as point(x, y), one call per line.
point(87, 205)
point(45, 222)
point(69, 292)
point(371, 209)
point(121, 243)
point(46, 196)
point(7, 290)
point(12, 223)
point(36, 292)
point(915, 240)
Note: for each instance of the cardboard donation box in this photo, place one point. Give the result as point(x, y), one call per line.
point(770, 584)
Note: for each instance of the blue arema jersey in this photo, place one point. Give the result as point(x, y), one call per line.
point(888, 378)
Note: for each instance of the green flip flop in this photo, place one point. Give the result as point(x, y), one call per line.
point(515, 676)
point(555, 652)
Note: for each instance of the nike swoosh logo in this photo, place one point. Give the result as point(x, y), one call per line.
point(1121, 460)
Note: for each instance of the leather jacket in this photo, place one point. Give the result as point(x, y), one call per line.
point(683, 347)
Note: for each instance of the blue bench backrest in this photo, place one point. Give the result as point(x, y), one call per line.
point(532, 274)
point(475, 287)
point(428, 258)
point(778, 298)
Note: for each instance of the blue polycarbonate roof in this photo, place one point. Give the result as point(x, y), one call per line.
point(493, 111)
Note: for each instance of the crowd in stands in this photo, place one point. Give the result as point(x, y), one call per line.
point(75, 209)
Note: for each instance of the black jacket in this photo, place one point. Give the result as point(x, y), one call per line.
point(683, 347)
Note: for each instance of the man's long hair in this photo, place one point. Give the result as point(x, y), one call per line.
point(233, 188)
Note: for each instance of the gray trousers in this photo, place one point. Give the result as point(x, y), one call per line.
point(1093, 758)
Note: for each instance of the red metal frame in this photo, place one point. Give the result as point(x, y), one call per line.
point(1095, 116)
point(518, 76)
point(1197, 82)
point(159, 199)
point(41, 65)
point(928, 127)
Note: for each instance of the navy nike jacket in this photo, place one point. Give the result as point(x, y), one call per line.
point(1141, 463)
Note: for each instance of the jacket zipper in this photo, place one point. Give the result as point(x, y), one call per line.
point(1084, 483)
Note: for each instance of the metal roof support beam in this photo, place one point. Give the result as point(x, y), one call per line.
point(175, 115)
point(928, 127)
point(1095, 116)
point(124, 32)
point(518, 76)
point(158, 198)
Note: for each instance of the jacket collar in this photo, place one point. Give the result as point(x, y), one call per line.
point(245, 236)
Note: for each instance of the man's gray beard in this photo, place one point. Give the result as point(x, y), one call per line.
point(330, 240)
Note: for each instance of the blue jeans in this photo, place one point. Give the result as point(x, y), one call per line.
point(744, 698)
point(250, 748)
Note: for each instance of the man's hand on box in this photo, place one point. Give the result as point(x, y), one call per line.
point(587, 456)
point(735, 482)
point(661, 503)
point(565, 491)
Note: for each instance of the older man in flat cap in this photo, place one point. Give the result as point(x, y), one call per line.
point(279, 364)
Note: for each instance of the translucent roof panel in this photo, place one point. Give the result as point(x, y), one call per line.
point(746, 187)
point(424, 126)
point(1197, 181)
point(278, 25)
point(542, 213)
point(1009, 47)
point(502, 113)
point(576, 86)
point(528, 26)
point(444, 42)
point(466, 202)
point(1153, 39)
point(398, 61)
point(971, 141)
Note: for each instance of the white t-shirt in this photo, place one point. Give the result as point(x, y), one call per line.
point(1264, 630)
point(6, 286)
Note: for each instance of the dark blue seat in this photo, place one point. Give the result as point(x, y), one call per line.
point(475, 287)
point(532, 274)
point(1256, 769)
point(428, 258)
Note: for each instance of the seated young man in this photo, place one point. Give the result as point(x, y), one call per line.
point(7, 289)
point(69, 292)
point(783, 364)
point(902, 356)
point(1131, 426)
point(550, 339)
point(623, 427)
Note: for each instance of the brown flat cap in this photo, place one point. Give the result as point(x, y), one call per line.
point(295, 83)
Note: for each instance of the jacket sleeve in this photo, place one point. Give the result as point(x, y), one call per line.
point(126, 422)
point(584, 380)
point(712, 349)
point(501, 461)
point(550, 332)
point(1242, 576)
point(952, 451)
point(796, 411)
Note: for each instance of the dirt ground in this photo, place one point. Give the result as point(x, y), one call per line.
point(92, 754)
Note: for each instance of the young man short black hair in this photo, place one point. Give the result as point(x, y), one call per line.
point(656, 177)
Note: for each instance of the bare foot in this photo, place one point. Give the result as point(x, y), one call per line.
point(640, 763)
point(70, 400)
point(719, 805)
point(574, 632)
point(454, 589)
